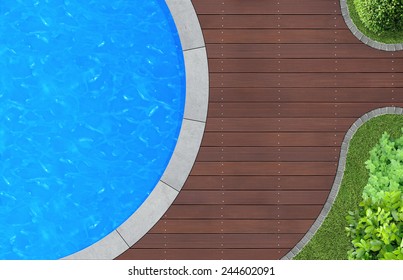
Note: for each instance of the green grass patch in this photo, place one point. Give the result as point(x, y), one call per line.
point(388, 37)
point(330, 241)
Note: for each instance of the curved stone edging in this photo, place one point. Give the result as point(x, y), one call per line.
point(360, 36)
point(187, 147)
point(339, 175)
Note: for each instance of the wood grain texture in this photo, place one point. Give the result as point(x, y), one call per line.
point(279, 96)
point(276, 49)
point(262, 154)
point(287, 80)
point(249, 182)
point(284, 21)
point(211, 241)
point(296, 65)
point(241, 7)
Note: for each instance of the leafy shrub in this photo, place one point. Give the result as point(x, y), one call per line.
point(380, 15)
point(376, 228)
point(385, 167)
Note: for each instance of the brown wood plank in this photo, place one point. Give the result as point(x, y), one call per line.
point(249, 182)
point(310, 110)
point(277, 139)
point(280, 124)
point(253, 254)
point(305, 65)
point(264, 168)
point(267, 154)
point(264, 36)
point(232, 226)
point(240, 212)
point(311, 95)
point(211, 241)
point(202, 254)
point(266, 7)
point(272, 21)
point(311, 50)
point(171, 254)
point(252, 197)
point(252, 80)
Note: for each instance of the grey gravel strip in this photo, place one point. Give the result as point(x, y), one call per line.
point(187, 147)
point(366, 40)
point(339, 176)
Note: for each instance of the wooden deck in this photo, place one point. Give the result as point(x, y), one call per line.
point(287, 79)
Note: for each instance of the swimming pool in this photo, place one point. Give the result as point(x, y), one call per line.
point(91, 105)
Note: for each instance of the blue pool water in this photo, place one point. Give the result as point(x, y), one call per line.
point(91, 103)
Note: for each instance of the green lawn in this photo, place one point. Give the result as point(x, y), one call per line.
point(386, 37)
point(331, 241)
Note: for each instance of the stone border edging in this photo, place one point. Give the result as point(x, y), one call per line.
point(360, 36)
point(186, 149)
point(339, 175)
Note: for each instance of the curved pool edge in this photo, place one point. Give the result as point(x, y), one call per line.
point(339, 175)
point(186, 149)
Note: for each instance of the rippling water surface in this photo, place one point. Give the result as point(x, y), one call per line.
point(91, 104)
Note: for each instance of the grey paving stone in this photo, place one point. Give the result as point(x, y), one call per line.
point(390, 109)
point(350, 134)
point(309, 235)
point(148, 214)
point(342, 167)
point(187, 23)
point(315, 227)
point(371, 44)
point(391, 47)
point(383, 47)
point(342, 161)
point(378, 45)
point(346, 143)
point(357, 33)
point(295, 251)
point(184, 154)
point(197, 84)
point(107, 248)
point(358, 122)
point(354, 127)
point(337, 181)
point(372, 114)
point(343, 4)
point(301, 244)
point(378, 111)
point(327, 206)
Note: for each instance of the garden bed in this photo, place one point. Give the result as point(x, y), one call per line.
point(387, 37)
point(331, 241)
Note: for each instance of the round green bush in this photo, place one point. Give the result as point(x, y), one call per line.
point(380, 15)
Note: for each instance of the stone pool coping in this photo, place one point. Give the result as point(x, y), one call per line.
point(360, 36)
point(339, 175)
point(187, 147)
